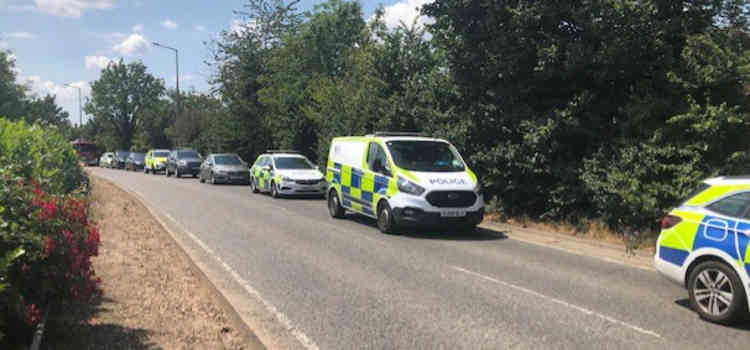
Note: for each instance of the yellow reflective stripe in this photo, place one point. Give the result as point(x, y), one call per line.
point(747, 255)
point(406, 173)
point(715, 192)
point(355, 193)
point(682, 235)
point(368, 182)
point(472, 175)
point(346, 175)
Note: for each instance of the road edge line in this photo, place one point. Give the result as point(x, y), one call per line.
point(253, 340)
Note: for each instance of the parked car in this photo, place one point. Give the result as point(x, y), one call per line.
point(156, 160)
point(183, 162)
point(703, 246)
point(286, 173)
point(135, 161)
point(119, 159)
point(403, 179)
point(224, 168)
point(105, 161)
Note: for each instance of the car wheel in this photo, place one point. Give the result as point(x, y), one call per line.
point(145, 170)
point(253, 187)
point(212, 179)
point(334, 207)
point(274, 190)
point(716, 292)
point(385, 218)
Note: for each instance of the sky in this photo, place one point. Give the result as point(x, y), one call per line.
point(61, 42)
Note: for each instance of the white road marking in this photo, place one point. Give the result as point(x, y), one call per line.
point(306, 342)
point(560, 302)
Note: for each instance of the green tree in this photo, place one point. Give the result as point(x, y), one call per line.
point(121, 98)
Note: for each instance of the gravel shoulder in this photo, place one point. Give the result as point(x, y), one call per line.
point(153, 295)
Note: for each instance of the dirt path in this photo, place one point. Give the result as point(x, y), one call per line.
point(153, 296)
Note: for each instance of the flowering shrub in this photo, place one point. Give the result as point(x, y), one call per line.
point(44, 215)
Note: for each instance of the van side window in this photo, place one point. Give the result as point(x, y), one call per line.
point(377, 161)
point(734, 206)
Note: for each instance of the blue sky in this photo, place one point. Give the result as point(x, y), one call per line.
point(56, 42)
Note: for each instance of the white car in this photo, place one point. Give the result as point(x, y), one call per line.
point(286, 173)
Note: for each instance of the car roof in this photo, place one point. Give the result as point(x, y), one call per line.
point(386, 138)
point(284, 155)
point(159, 150)
point(729, 180)
point(223, 154)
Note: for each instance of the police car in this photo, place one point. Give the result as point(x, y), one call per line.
point(402, 179)
point(286, 173)
point(703, 246)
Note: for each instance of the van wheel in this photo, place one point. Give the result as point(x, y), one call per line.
point(385, 218)
point(334, 206)
point(716, 292)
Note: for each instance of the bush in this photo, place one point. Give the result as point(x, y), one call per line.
point(43, 214)
point(30, 152)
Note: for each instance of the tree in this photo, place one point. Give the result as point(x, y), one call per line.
point(12, 94)
point(122, 96)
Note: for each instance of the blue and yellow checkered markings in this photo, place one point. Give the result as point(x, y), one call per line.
point(672, 255)
point(355, 187)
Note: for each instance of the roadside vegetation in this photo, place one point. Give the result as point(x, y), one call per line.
point(597, 111)
point(46, 238)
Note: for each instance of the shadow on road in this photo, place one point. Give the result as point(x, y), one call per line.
point(77, 327)
point(743, 325)
point(437, 233)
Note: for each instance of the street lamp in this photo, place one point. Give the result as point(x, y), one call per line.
point(80, 108)
point(177, 67)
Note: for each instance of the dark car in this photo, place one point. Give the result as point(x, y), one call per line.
point(183, 162)
point(224, 168)
point(119, 160)
point(135, 161)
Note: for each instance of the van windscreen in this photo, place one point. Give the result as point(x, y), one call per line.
point(425, 156)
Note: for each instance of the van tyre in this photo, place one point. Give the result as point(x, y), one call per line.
point(334, 206)
point(386, 223)
point(717, 293)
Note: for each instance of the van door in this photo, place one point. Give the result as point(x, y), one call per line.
point(375, 178)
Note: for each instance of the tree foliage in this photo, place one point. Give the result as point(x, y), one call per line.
point(121, 97)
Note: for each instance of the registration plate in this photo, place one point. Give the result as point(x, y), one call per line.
point(453, 214)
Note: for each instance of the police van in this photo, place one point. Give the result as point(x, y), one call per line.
point(402, 179)
point(703, 246)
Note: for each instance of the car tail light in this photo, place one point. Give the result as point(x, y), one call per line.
point(669, 221)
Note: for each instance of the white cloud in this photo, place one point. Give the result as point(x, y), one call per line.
point(133, 44)
point(66, 97)
point(405, 11)
point(169, 24)
point(138, 28)
point(200, 28)
point(71, 8)
point(96, 62)
point(20, 35)
point(3, 44)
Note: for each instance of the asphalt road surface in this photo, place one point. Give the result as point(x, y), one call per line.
point(304, 280)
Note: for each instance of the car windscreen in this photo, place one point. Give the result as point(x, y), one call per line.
point(138, 156)
point(426, 156)
point(292, 163)
point(187, 154)
point(227, 160)
point(160, 154)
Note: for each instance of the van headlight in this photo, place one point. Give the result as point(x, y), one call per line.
point(409, 187)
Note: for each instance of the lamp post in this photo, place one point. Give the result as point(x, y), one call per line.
point(80, 108)
point(177, 77)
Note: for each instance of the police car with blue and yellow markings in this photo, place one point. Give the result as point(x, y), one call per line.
point(703, 246)
point(402, 179)
point(282, 173)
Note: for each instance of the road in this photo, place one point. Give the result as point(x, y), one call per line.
point(304, 280)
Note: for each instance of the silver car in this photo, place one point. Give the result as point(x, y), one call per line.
point(224, 168)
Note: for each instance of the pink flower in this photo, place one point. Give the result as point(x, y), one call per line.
point(49, 246)
point(32, 314)
point(48, 210)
